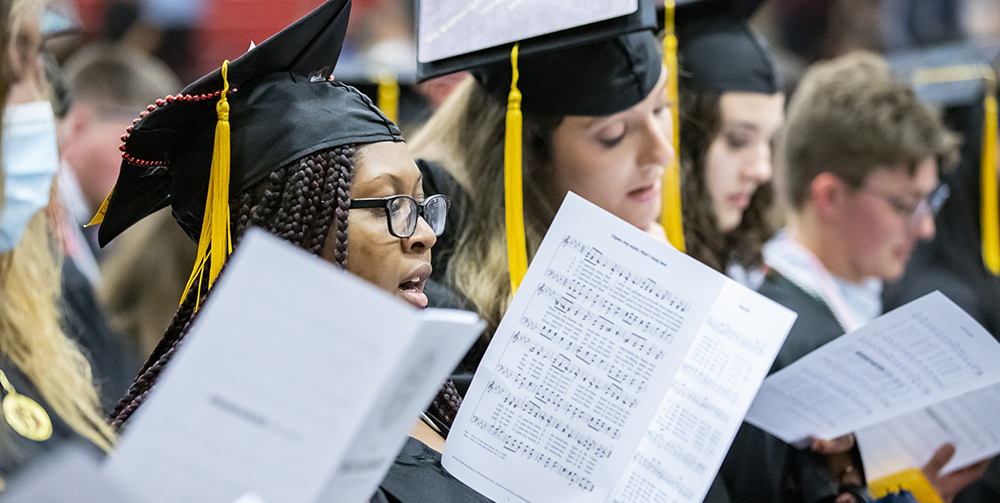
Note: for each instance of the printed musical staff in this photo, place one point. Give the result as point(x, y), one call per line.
point(654, 470)
point(675, 450)
point(701, 401)
point(602, 319)
point(595, 257)
point(550, 396)
point(567, 367)
point(516, 446)
point(532, 409)
point(723, 329)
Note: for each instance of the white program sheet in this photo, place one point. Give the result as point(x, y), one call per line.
point(917, 355)
point(290, 361)
point(453, 27)
point(617, 354)
point(970, 422)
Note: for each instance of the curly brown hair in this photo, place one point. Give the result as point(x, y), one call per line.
point(701, 121)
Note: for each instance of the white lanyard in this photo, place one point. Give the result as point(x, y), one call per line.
point(825, 286)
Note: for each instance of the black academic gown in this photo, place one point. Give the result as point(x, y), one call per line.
point(418, 477)
point(760, 468)
point(18, 452)
point(113, 365)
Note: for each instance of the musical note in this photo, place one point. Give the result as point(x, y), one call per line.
point(518, 447)
point(564, 365)
point(532, 409)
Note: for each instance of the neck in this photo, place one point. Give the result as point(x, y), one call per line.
point(824, 241)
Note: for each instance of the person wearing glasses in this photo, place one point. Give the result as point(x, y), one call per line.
point(310, 160)
point(861, 157)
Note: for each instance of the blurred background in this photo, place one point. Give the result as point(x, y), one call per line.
point(195, 36)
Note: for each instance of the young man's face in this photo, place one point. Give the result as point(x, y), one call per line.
point(885, 217)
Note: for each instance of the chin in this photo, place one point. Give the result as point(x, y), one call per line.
point(642, 218)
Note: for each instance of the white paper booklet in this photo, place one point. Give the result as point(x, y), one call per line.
point(620, 372)
point(298, 383)
point(914, 378)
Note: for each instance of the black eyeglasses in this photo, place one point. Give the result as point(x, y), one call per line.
point(401, 212)
point(913, 212)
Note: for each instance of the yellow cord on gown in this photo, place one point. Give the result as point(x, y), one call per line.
point(388, 96)
point(99, 217)
point(673, 220)
point(215, 243)
point(990, 210)
point(989, 207)
point(517, 252)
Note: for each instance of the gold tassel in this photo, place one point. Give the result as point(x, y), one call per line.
point(990, 208)
point(517, 252)
point(671, 216)
point(388, 96)
point(215, 243)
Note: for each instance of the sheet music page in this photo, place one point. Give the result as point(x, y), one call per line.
point(272, 384)
point(970, 422)
point(690, 434)
point(580, 362)
point(917, 355)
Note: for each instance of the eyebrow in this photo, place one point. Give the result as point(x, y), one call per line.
point(394, 181)
point(748, 126)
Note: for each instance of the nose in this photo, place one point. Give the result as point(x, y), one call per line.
point(923, 226)
point(423, 238)
point(658, 145)
point(760, 169)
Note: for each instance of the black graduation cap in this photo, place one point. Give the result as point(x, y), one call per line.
point(589, 57)
point(276, 103)
point(963, 76)
point(719, 51)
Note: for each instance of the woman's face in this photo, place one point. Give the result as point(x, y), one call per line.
point(399, 266)
point(739, 157)
point(617, 161)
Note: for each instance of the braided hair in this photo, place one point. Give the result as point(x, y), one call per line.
point(300, 203)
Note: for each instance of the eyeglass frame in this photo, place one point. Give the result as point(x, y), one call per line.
point(929, 205)
point(386, 202)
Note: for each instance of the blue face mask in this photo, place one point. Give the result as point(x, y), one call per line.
point(30, 159)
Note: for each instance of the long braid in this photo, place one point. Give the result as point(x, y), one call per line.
point(295, 204)
point(344, 161)
point(142, 382)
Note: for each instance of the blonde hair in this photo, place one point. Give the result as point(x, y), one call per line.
point(30, 336)
point(466, 136)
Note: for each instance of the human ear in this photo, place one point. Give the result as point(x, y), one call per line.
point(827, 193)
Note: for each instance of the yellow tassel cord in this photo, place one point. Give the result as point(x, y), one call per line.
point(99, 217)
point(388, 96)
point(910, 479)
point(517, 251)
point(989, 206)
point(673, 220)
point(215, 243)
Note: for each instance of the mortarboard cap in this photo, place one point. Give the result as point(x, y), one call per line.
point(274, 104)
point(963, 75)
point(719, 51)
point(591, 57)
